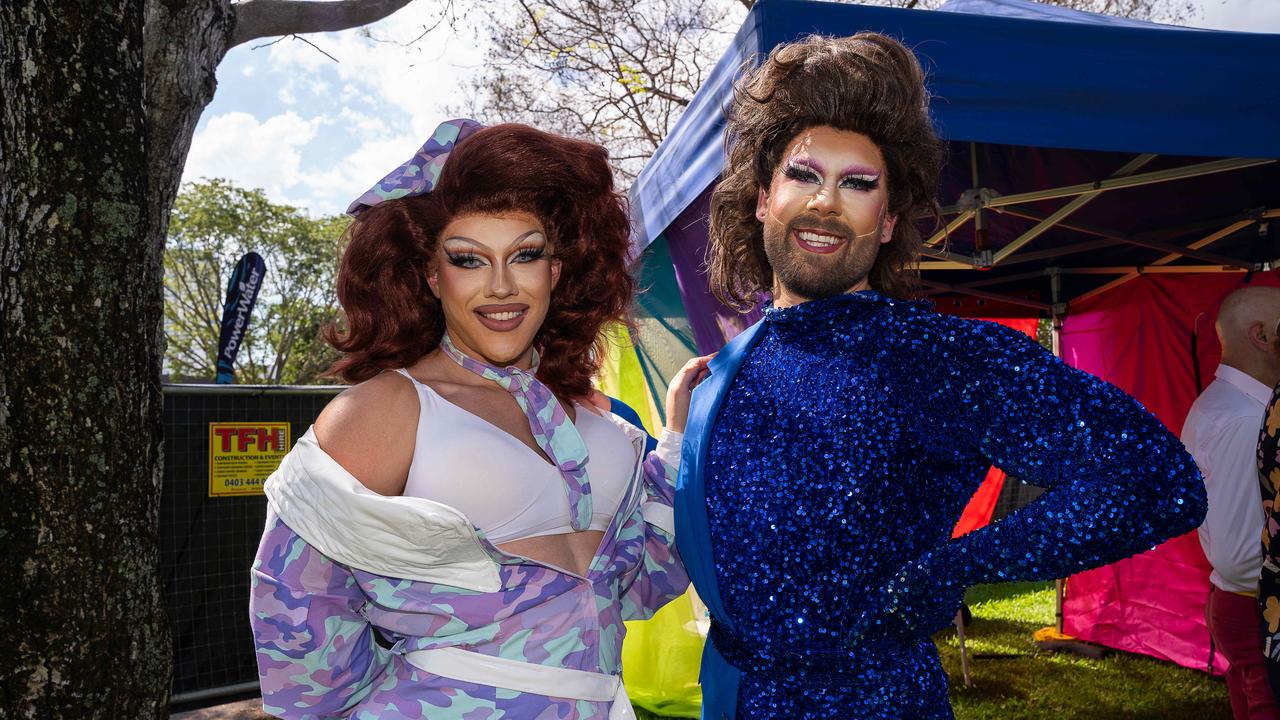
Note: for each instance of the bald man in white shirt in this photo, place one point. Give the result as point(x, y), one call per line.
point(1221, 433)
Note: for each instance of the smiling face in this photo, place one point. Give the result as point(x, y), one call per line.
point(494, 275)
point(825, 215)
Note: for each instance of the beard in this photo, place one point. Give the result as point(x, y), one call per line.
point(811, 275)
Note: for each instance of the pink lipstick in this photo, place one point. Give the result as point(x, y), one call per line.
point(502, 318)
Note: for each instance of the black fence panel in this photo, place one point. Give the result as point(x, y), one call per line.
point(1014, 495)
point(207, 543)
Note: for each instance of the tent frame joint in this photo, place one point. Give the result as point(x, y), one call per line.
point(976, 198)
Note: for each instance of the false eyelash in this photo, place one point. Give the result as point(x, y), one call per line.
point(462, 260)
point(804, 174)
point(530, 254)
point(861, 182)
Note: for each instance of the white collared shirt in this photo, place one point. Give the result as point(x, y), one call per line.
point(1221, 433)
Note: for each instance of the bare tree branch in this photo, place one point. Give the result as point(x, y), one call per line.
point(447, 14)
point(314, 46)
point(269, 18)
point(621, 72)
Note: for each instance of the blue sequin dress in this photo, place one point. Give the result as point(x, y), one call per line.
point(844, 452)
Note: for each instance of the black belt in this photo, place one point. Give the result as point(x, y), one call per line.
point(777, 658)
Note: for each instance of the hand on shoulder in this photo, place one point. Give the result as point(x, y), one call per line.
point(371, 429)
point(680, 390)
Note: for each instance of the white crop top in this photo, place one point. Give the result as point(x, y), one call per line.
point(503, 487)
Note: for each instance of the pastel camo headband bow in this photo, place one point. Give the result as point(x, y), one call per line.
point(421, 172)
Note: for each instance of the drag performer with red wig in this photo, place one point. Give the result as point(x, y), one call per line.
point(462, 533)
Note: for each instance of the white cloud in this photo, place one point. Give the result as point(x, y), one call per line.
point(252, 154)
point(364, 124)
point(1244, 15)
point(347, 177)
point(418, 80)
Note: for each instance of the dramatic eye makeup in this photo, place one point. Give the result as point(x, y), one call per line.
point(860, 177)
point(861, 181)
point(464, 259)
point(801, 172)
point(529, 254)
point(857, 178)
point(532, 247)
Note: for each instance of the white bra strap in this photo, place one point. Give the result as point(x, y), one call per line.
point(422, 390)
point(405, 373)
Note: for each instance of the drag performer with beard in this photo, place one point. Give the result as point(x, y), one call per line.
point(834, 444)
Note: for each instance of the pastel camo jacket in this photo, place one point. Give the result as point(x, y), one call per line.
point(346, 583)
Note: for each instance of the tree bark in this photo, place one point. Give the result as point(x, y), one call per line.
point(268, 18)
point(80, 353)
point(88, 174)
point(185, 41)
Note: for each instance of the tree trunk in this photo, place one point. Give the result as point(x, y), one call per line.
point(185, 41)
point(88, 175)
point(80, 356)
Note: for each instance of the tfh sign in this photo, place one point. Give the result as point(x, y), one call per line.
point(243, 455)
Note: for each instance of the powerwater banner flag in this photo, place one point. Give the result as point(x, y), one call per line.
point(242, 293)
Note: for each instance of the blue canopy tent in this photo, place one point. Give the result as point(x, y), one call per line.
point(1087, 154)
point(1039, 104)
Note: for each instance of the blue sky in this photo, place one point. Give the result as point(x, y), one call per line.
point(316, 133)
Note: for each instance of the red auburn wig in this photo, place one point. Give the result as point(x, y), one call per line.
point(392, 319)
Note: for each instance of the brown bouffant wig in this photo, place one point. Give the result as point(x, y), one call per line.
point(867, 83)
point(392, 319)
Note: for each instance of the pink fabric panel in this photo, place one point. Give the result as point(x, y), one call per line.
point(1138, 337)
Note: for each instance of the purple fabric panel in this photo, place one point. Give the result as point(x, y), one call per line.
point(713, 324)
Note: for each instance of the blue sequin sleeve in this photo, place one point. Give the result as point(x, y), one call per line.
point(1118, 481)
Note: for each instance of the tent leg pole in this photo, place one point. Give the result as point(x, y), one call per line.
point(964, 650)
point(1059, 310)
point(979, 218)
point(1060, 586)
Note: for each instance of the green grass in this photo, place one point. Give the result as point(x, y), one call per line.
point(1021, 682)
point(1012, 680)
